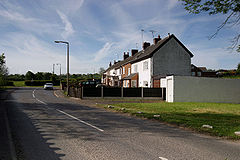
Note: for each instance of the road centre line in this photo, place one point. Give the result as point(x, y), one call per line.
point(162, 158)
point(86, 123)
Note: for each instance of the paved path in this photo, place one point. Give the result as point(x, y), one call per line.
point(48, 127)
point(7, 150)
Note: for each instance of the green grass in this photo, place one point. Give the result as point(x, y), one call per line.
point(19, 83)
point(225, 118)
point(22, 84)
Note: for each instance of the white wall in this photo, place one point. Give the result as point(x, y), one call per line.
point(144, 75)
point(202, 89)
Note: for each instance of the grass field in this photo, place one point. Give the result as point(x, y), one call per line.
point(22, 84)
point(19, 83)
point(225, 118)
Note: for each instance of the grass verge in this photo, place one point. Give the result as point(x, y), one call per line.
point(19, 83)
point(225, 118)
point(22, 84)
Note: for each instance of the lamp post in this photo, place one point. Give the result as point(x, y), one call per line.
point(67, 64)
point(53, 69)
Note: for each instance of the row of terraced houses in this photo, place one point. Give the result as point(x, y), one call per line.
point(145, 68)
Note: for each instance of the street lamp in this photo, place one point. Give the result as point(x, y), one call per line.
point(67, 64)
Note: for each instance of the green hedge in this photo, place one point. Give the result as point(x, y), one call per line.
point(40, 82)
point(10, 83)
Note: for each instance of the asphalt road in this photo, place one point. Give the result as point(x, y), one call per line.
point(45, 127)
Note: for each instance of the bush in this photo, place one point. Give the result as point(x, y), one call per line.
point(40, 82)
point(3, 81)
point(10, 83)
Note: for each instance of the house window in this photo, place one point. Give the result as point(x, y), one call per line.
point(134, 83)
point(127, 85)
point(199, 74)
point(129, 71)
point(145, 65)
point(193, 74)
point(123, 70)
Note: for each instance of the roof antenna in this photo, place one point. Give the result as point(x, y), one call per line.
point(152, 31)
point(142, 30)
point(136, 45)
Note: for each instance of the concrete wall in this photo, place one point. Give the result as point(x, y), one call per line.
point(172, 59)
point(202, 89)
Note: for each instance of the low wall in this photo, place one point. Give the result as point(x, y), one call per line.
point(202, 89)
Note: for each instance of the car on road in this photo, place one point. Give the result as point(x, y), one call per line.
point(48, 86)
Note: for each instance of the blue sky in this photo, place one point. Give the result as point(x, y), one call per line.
point(100, 31)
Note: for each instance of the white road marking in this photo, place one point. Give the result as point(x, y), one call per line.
point(55, 94)
point(81, 121)
point(41, 101)
point(38, 99)
point(33, 93)
point(162, 158)
point(88, 124)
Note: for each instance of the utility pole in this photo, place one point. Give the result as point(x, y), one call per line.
point(53, 69)
point(142, 30)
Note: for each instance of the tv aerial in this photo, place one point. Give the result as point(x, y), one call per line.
point(152, 31)
point(142, 30)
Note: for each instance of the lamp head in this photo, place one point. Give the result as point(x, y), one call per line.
point(61, 42)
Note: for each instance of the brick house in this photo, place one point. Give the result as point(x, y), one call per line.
point(202, 72)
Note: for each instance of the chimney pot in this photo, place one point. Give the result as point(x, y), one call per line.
point(110, 64)
point(145, 45)
point(155, 40)
point(125, 55)
point(134, 51)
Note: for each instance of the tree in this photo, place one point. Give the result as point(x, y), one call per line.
point(3, 70)
point(238, 69)
point(47, 76)
point(101, 71)
point(29, 75)
point(230, 8)
point(39, 76)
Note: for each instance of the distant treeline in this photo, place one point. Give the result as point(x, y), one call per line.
point(49, 76)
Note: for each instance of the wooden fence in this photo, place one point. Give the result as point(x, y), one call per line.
point(116, 92)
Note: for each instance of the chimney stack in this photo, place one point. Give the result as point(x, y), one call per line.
point(110, 64)
point(134, 51)
point(145, 45)
point(155, 40)
point(125, 55)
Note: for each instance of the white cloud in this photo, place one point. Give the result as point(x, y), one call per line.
point(68, 26)
point(17, 17)
point(172, 3)
point(27, 52)
point(213, 58)
point(103, 52)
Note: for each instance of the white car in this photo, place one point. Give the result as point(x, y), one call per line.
point(48, 86)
